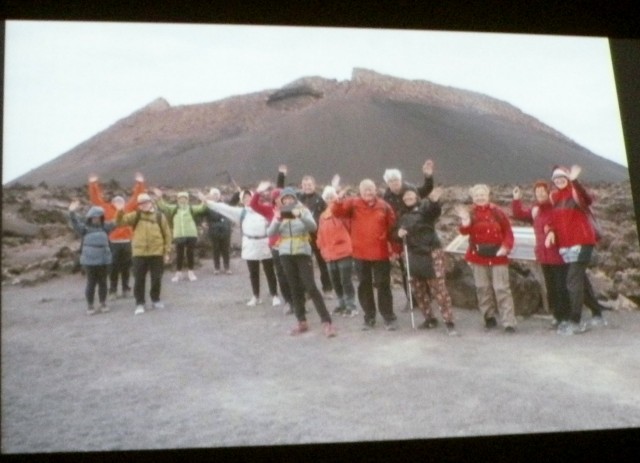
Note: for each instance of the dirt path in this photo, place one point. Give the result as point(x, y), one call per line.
point(210, 372)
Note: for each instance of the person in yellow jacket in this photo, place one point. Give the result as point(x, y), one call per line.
point(151, 249)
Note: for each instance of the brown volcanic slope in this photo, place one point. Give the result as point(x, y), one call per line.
point(356, 128)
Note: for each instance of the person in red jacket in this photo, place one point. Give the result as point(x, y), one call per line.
point(372, 222)
point(554, 269)
point(490, 241)
point(120, 237)
point(334, 242)
point(572, 231)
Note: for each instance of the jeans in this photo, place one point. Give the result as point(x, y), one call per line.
point(154, 266)
point(340, 272)
point(299, 271)
point(96, 276)
point(120, 266)
point(375, 273)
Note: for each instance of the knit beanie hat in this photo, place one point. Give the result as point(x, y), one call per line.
point(183, 194)
point(95, 211)
point(560, 171)
point(288, 191)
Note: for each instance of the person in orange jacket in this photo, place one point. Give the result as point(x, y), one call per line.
point(334, 242)
point(120, 237)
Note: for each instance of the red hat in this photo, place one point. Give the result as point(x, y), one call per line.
point(560, 171)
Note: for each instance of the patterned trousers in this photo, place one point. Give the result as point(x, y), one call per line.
point(436, 287)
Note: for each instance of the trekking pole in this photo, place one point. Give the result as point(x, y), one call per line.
point(409, 292)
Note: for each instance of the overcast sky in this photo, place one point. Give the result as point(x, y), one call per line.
point(67, 81)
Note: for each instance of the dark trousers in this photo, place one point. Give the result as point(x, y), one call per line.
point(340, 272)
point(555, 279)
point(299, 271)
point(375, 273)
point(154, 266)
point(221, 246)
point(285, 290)
point(185, 246)
point(325, 279)
point(96, 276)
point(121, 266)
point(254, 276)
point(575, 286)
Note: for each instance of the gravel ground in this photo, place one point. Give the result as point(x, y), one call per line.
point(208, 371)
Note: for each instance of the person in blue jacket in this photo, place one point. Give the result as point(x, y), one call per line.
point(95, 253)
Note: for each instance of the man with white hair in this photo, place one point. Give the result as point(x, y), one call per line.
point(120, 237)
point(372, 222)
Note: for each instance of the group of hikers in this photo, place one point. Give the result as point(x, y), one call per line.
point(284, 229)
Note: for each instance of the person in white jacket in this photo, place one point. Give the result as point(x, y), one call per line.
point(255, 243)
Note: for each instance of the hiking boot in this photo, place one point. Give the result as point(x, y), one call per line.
point(300, 328)
point(391, 325)
point(158, 305)
point(368, 325)
point(104, 308)
point(276, 301)
point(139, 310)
point(177, 277)
point(329, 330)
point(509, 329)
point(597, 321)
point(91, 310)
point(192, 276)
point(254, 301)
point(490, 323)
point(451, 329)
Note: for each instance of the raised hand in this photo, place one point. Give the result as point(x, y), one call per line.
point(139, 177)
point(93, 178)
point(335, 182)
point(201, 196)
point(402, 232)
point(517, 193)
point(462, 212)
point(427, 168)
point(574, 172)
point(283, 169)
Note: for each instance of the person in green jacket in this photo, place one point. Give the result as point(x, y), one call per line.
point(182, 217)
point(151, 241)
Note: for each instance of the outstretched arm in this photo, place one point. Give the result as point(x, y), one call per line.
point(95, 192)
point(138, 188)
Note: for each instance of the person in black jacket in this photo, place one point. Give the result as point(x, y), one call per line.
point(393, 195)
point(314, 202)
point(417, 229)
point(219, 233)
